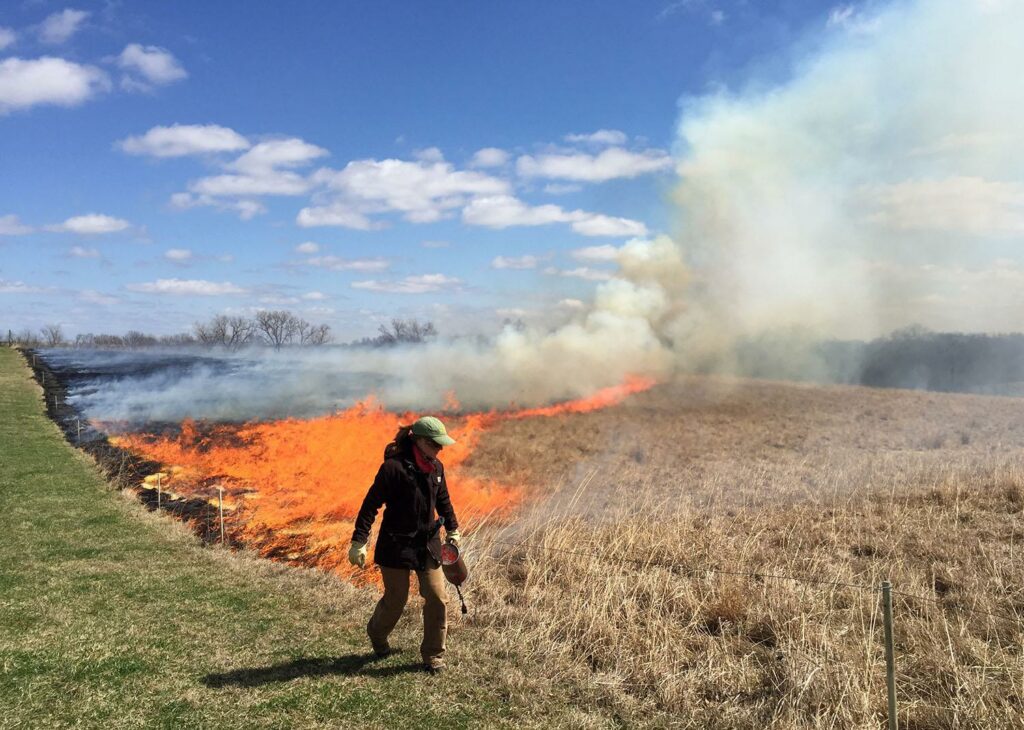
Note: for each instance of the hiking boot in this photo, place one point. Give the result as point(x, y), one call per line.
point(435, 667)
point(382, 649)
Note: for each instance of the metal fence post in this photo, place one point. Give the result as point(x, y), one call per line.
point(890, 659)
point(220, 507)
point(78, 426)
point(159, 490)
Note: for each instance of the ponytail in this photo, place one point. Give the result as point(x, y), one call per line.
point(401, 442)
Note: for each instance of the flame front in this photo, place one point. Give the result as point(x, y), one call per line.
point(292, 487)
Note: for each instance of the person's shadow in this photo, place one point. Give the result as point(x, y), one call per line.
point(349, 664)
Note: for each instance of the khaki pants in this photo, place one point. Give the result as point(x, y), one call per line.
point(389, 610)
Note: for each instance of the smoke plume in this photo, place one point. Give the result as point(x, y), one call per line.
point(877, 184)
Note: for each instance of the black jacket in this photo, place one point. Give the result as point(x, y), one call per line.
point(411, 498)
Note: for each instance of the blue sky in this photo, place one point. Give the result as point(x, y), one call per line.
point(103, 228)
point(849, 167)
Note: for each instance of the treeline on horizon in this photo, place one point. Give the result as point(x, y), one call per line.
point(913, 358)
point(267, 328)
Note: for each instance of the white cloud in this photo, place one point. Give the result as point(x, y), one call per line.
point(270, 182)
point(489, 157)
point(265, 169)
point(309, 247)
point(562, 188)
point(840, 15)
point(80, 252)
point(582, 272)
point(595, 224)
point(246, 209)
point(430, 154)
point(411, 284)
point(314, 296)
point(967, 205)
point(90, 224)
point(601, 136)
point(17, 287)
point(47, 80)
point(337, 263)
point(7, 37)
point(268, 156)
point(515, 262)
point(147, 66)
point(571, 304)
point(607, 165)
point(59, 27)
point(503, 211)
point(336, 214)
point(10, 225)
point(606, 252)
point(850, 19)
point(178, 254)
point(187, 287)
point(179, 140)
point(91, 296)
point(421, 191)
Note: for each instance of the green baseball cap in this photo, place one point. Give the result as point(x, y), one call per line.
point(432, 428)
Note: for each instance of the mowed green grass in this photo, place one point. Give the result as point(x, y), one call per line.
point(111, 616)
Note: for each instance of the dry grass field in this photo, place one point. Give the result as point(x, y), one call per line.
point(714, 478)
point(706, 554)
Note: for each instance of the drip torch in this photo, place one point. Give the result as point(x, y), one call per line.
point(452, 564)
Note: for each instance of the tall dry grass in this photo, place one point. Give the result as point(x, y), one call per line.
point(638, 600)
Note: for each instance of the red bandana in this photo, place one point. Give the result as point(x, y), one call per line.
point(424, 464)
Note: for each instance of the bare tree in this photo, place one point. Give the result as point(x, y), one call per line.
point(136, 339)
point(278, 327)
point(108, 341)
point(230, 332)
point(404, 331)
point(182, 339)
point(52, 335)
point(313, 334)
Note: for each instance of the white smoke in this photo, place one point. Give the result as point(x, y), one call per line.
point(841, 201)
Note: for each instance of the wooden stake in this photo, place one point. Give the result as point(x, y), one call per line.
point(159, 490)
point(890, 659)
point(220, 507)
point(78, 426)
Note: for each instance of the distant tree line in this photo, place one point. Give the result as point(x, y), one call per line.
point(267, 328)
point(400, 332)
point(913, 357)
point(270, 328)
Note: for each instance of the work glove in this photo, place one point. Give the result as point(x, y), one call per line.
point(357, 554)
point(454, 537)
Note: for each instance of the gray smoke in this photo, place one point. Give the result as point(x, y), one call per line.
point(867, 191)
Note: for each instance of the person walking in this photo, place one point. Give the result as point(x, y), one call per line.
point(411, 486)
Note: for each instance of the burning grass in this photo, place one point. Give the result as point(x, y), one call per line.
point(291, 488)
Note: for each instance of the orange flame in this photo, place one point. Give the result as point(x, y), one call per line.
point(292, 487)
point(601, 399)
